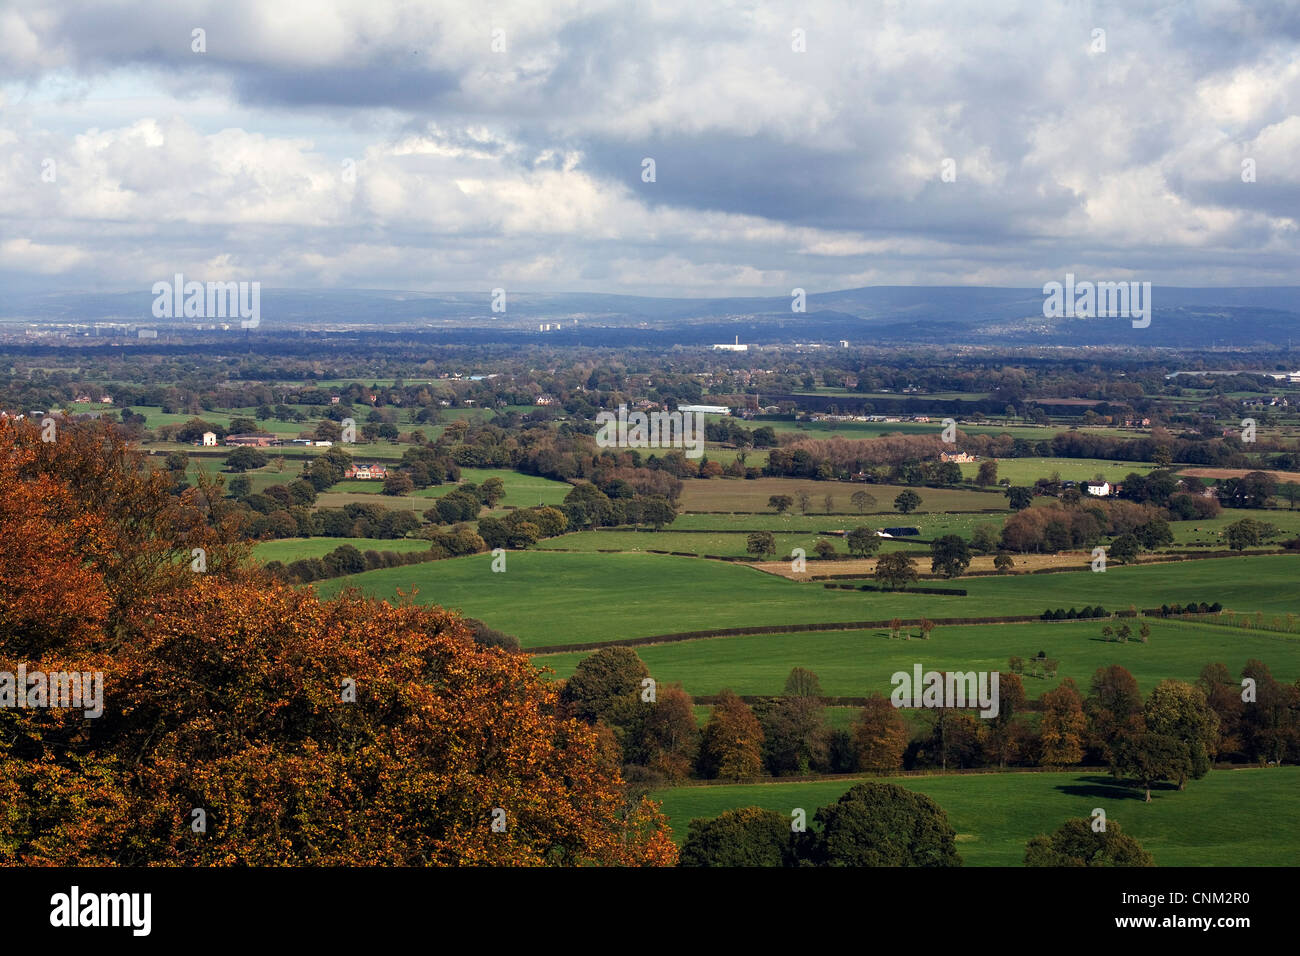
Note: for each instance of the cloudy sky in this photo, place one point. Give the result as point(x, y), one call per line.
point(463, 146)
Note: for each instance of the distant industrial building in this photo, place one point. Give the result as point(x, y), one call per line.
point(731, 347)
point(706, 409)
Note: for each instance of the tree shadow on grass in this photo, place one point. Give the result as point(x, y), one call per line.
point(1099, 787)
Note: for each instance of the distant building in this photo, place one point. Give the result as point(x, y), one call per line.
point(209, 439)
point(844, 343)
point(960, 457)
point(366, 472)
point(253, 440)
point(706, 409)
point(1098, 490)
point(546, 400)
point(731, 347)
point(147, 333)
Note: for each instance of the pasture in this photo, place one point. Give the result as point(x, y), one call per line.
point(550, 598)
point(1228, 818)
point(861, 663)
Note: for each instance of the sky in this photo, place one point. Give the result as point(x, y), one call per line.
point(467, 146)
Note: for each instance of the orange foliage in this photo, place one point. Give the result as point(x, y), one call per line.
point(225, 692)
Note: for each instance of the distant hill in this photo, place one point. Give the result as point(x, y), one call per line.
point(1182, 317)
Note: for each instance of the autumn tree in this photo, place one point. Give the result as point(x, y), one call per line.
point(347, 732)
point(880, 735)
point(1113, 708)
point(732, 741)
point(1063, 728)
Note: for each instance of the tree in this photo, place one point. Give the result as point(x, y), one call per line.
point(804, 498)
point(949, 556)
point(657, 512)
point(241, 486)
point(863, 501)
point(1125, 549)
point(907, 501)
point(494, 489)
point(1290, 491)
point(781, 503)
point(603, 681)
point(1180, 711)
point(895, 570)
point(731, 745)
point(747, 836)
point(398, 483)
point(1075, 843)
point(1020, 498)
point(1113, 708)
point(246, 459)
point(984, 539)
point(987, 474)
point(330, 733)
point(880, 735)
point(1243, 534)
point(880, 824)
point(825, 550)
point(1003, 562)
point(1063, 728)
point(1145, 758)
point(794, 735)
point(664, 738)
point(802, 683)
point(760, 543)
point(862, 542)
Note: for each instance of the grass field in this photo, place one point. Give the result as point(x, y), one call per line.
point(1216, 821)
point(522, 491)
point(860, 663)
point(1210, 530)
point(552, 598)
point(1025, 471)
point(291, 549)
point(740, 494)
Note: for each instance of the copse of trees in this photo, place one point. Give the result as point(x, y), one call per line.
point(1077, 843)
point(873, 824)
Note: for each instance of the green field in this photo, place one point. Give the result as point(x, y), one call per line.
point(1025, 471)
point(551, 598)
point(291, 549)
point(859, 663)
point(522, 491)
point(1229, 818)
